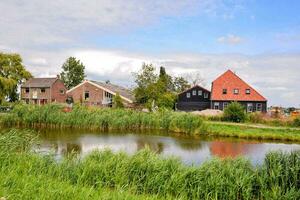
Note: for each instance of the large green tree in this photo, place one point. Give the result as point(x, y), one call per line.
point(12, 73)
point(181, 84)
point(73, 72)
point(145, 80)
point(160, 89)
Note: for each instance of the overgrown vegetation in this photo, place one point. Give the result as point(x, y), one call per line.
point(51, 115)
point(105, 175)
point(235, 112)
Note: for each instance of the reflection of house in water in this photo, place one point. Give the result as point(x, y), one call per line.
point(229, 149)
point(190, 145)
point(154, 145)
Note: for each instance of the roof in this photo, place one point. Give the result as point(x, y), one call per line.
point(39, 82)
point(231, 81)
point(125, 93)
point(198, 86)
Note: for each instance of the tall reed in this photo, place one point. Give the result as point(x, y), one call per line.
point(104, 119)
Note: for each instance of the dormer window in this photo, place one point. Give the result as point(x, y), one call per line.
point(247, 91)
point(236, 91)
point(224, 91)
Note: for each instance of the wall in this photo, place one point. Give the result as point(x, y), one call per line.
point(56, 95)
point(95, 94)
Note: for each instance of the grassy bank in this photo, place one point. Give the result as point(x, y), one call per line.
point(105, 175)
point(250, 132)
point(52, 116)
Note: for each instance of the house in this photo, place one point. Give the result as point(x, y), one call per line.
point(43, 90)
point(99, 93)
point(195, 98)
point(229, 87)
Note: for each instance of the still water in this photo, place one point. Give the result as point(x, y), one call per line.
point(189, 150)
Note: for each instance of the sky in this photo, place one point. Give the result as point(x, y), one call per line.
point(258, 39)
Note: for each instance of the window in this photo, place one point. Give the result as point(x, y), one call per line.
point(188, 95)
point(194, 92)
point(61, 91)
point(247, 91)
point(249, 107)
point(199, 92)
point(258, 107)
point(26, 90)
point(42, 90)
point(86, 95)
point(205, 95)
point(224, 91)
point(216, 105)
point(225, 104)
point(236, 91)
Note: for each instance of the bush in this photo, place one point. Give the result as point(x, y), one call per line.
point(235, 112)
point(117, 101)
point(256, 117)
point(296, 122)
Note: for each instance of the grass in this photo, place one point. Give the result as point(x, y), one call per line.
point(144, 175)
point(248, 132)
point(105, 119)
point(89, 118)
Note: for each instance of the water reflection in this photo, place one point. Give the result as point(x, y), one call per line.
point(189, 150)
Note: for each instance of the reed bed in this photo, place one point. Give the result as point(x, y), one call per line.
point(52, 116)
point(144, 175)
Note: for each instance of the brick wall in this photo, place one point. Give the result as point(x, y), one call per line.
point(58, 92)
point(95, 94)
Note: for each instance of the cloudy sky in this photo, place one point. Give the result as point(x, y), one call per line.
point(258, 39)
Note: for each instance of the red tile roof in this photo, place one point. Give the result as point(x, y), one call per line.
point(231, 81)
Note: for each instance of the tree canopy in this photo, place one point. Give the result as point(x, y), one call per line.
point(12, 73)
point(159, 88)
point(73, 72)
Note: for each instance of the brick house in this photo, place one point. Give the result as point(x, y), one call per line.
point(229, 87)
point(99, 94)
point(43, 90)
point(194, 98)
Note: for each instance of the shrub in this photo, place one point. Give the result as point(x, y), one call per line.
point(256, 117)
point(296, 122)
point(235, 112)
point(117, 101)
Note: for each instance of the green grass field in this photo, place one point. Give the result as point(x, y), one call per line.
point(144, 175)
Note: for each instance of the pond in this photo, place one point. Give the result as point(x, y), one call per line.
point(189, 149)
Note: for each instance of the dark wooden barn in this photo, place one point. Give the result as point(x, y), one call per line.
point(195, 98)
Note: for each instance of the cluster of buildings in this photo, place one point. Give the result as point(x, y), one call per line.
point(225, 89)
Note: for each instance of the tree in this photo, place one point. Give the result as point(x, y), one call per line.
point(73, 72)
point(181, 84)
point(196, 79)
point(165, 81)
point(12, 73)
point(117, 101)
point(153, 89)
point(235, 112)
point(145, 80)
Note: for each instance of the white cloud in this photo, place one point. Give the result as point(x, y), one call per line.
point(230, 39)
